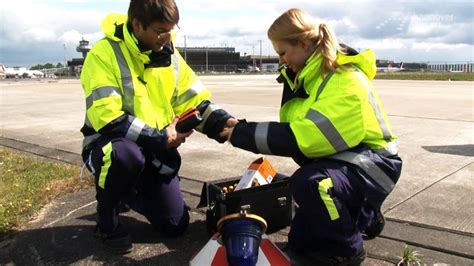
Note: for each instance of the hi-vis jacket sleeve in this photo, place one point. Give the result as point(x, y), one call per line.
point(332, 124)
point(273, 138)
point(104, 102)
point(192, 93)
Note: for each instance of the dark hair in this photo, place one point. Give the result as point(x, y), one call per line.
point(148, 11)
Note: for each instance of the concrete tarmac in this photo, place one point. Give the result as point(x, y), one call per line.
point(431, 207)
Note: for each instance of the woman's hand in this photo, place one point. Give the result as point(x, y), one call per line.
point(228, 128)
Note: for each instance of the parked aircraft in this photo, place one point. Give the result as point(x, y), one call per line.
point(2, 71)
point(19, 72)
point(390, 68)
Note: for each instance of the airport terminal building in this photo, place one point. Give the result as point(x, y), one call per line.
point(451, 67)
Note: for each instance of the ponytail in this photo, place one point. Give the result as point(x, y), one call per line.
point(328, 46)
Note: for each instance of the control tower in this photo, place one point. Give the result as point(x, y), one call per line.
point(83, 47)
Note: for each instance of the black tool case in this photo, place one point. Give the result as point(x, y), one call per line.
point(273, 202)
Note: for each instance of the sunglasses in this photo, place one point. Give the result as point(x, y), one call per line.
point(166, 36)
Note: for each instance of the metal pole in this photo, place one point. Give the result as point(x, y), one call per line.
point(260, 54)
point(65, 59)
point(253, 57)
point(207, 61)
point(185, 54)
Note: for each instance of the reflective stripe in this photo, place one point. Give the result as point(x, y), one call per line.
point(175, 63)
point(261, 137)
point(209, 110)
point(328, 129)
point(107, 159)
point(88, 140)
point(135, 129)
point(195, 89)
point(368, 166)
point(87, 122)
point(323, 84)
point(375, 107)
point(126, 77)
point(163, 168)
point(389, 150)
point(102, 92)
point(323, 187)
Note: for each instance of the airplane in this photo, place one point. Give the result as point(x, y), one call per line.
point(19, 72)
point(390, 68)
point(2, 71)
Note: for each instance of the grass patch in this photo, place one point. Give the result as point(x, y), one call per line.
point(426, 76)
point(28, 182)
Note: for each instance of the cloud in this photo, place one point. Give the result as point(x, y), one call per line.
point(33, 31)
point(39, 35)
point(432, 47)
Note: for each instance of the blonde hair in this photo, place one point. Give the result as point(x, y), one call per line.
point(294, 26)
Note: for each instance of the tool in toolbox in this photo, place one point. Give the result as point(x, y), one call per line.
point(260, 172)
point(188, 120)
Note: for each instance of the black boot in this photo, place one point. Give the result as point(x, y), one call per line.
point(375, 229)
point(110, 231)
point(118, 241)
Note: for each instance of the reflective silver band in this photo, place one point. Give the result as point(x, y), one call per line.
point(368, 166)
point(328, 129)
point(195, 89)
point(210, 108)
point(323, 84)
point(378, 113)
point(87, 122)
point(261, 137)
point(134, 130)
point(126, 76)
point(89, 140)
point(175, 63)
point(102, 92)
point(164, 169)
point(389, 150)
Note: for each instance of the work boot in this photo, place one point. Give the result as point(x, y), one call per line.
point(118, 241)
point(375, 229)
point(308, 257)
point(123, 207)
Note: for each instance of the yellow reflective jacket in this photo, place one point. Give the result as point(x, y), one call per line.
point(130, 95)
point(337, 115)
point(323, 114)
point(343, 113)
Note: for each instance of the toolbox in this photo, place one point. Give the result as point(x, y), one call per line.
point(273, 202)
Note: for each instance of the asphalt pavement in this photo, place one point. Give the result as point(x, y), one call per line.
point(431, 208)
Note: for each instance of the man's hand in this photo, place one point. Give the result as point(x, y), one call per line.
point(228, 128)
point(174, 138)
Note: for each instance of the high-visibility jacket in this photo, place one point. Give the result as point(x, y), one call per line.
point(326, 115)
point(136, 94)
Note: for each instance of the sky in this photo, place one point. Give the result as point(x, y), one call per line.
point(48, 31)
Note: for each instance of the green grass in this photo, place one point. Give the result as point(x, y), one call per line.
point(27, 183)
point(426, 76)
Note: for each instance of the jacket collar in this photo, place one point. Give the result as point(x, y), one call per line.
point(114, 22)
point(311, 71)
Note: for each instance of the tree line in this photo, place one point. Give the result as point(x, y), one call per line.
point(46, 66)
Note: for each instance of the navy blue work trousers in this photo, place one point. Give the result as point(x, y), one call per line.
point(124, 173)
point(332, 208)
